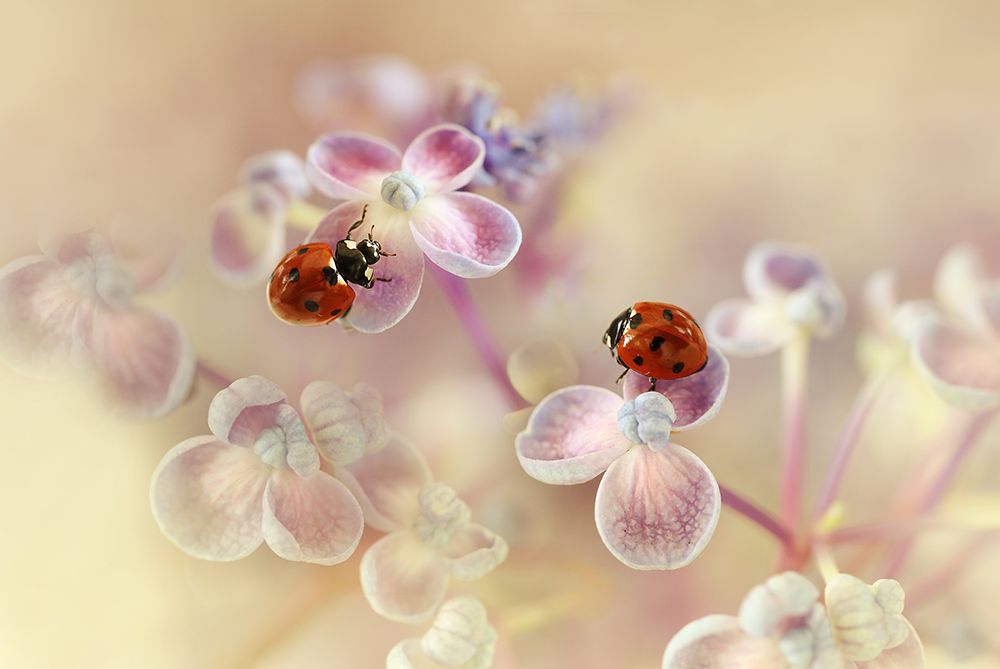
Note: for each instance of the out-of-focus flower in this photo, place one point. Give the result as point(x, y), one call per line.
point(573, 117)
point(658, 504)
point(517, 154)
point(257, 477)
point(413, 205)
point(73, 308)
point(460, 638)
point(430, 537)
point(781, 625)
point(248, 234)
point(537, 369)
point(789, 292)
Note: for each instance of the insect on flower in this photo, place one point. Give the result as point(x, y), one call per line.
point(312, 283)
point(657, 340)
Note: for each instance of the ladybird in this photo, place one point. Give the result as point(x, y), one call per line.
point(657, 340)
point(311, 285)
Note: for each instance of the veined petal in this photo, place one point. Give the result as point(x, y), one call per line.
point(572, 436)
point(344, 425)
point(248, 233)
point(657, 509)
point(718, 642)
point(963, 368)
point(402, 579)
point(773, 270)
point(351, 166)
point(474, 552)
point(444, 157)
point(240, 412)
point(382, 306)
point(466, 234)
point(206, 496)
point(696, 398)
point(144, 359)
point(314, 519)
point(908, 655)
point(742, 327)
point(387, 484)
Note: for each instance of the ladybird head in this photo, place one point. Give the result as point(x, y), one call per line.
point(616, 330)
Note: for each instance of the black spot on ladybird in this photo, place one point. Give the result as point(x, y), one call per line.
point(668, 314)
point(678, 368)
point(293, 274)
point(635, 321)
point(637, 359)
point(311, 306)
point(656, 343)
point(330, 275)
point(335, 312)
point(303, 250)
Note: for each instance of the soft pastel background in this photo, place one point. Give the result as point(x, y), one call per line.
point(869, 131)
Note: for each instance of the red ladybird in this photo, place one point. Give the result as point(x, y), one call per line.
point(657, 340)
point(311, 284)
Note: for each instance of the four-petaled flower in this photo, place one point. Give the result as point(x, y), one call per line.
point(790, 293)
point(782, 625)
point(658, 504)
point(430, 538)
point(414, 205)
point(257, 477)
point(73, 307)
point(460, 638)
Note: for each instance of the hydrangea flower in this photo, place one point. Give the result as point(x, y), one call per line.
point(658, 504)
point(257, 477)
point(73, 308)
point(248, 234)
point(782, 625)
point(789, 291)
point(429, 536)
point(460, 638)
point(414, 205)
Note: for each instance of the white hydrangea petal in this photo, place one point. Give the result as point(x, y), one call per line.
point(960, 285)
point(718, 642)
point(402, 579)
point(962, 368)
point(742, 327)
point(767, 606)
point(474, 551)
point(387, 484)
point(241, 411)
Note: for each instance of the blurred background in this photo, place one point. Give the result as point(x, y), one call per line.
point(868, 131)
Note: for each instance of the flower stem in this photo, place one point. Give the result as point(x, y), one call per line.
point(457, 291)
point(848, 441)
point(212, 375)
point(756, 515)
point(825, 561)
point(794, 363)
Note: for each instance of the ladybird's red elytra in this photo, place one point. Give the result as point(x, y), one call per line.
point(307, 289)
point(657, 340)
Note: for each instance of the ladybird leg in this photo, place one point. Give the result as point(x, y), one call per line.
point(652, 384)
point(621, 376)
point(358, 223)
point(378, 278)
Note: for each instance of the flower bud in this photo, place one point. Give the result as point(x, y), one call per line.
point(402, 190)
point(647, 419)
point(461, 635)
point(866, 619)
point(767, 607)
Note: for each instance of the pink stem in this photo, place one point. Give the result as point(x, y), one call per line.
point(212, 375)
point(794, 359)
point(756, 515)
point(457, 292)
point(848, 442)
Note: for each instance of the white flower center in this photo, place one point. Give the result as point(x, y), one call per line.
point(270, 447)
point(402, 190)
point(441, 515)
point(647, 419)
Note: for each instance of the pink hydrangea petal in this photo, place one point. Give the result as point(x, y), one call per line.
point(696, 398)
point(351, 166)
point(314, 519)
point(572, 436)
point(657, 509)
point(474, 552)
point(379, 308)
point(718, 642)
point(774, 270)
point(466, 234)
point(908, 655)
point(387, 483)
point(40, 315)
point(206, 496)
point(152, 255)
point(444, 158)
point(248, 233)
point(238, 413)
point(402, 579)
point(144, 359)
point(742, 327)
point(963, 368)
point(281, 169)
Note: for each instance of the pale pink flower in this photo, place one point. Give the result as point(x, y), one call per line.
point(73, 308)
point(782, 625)
point(248, 233)
point(658, 504)
point(257, 477)
point(789, 292)
point(460, 638)
point(414, 205)
point(430, 537)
